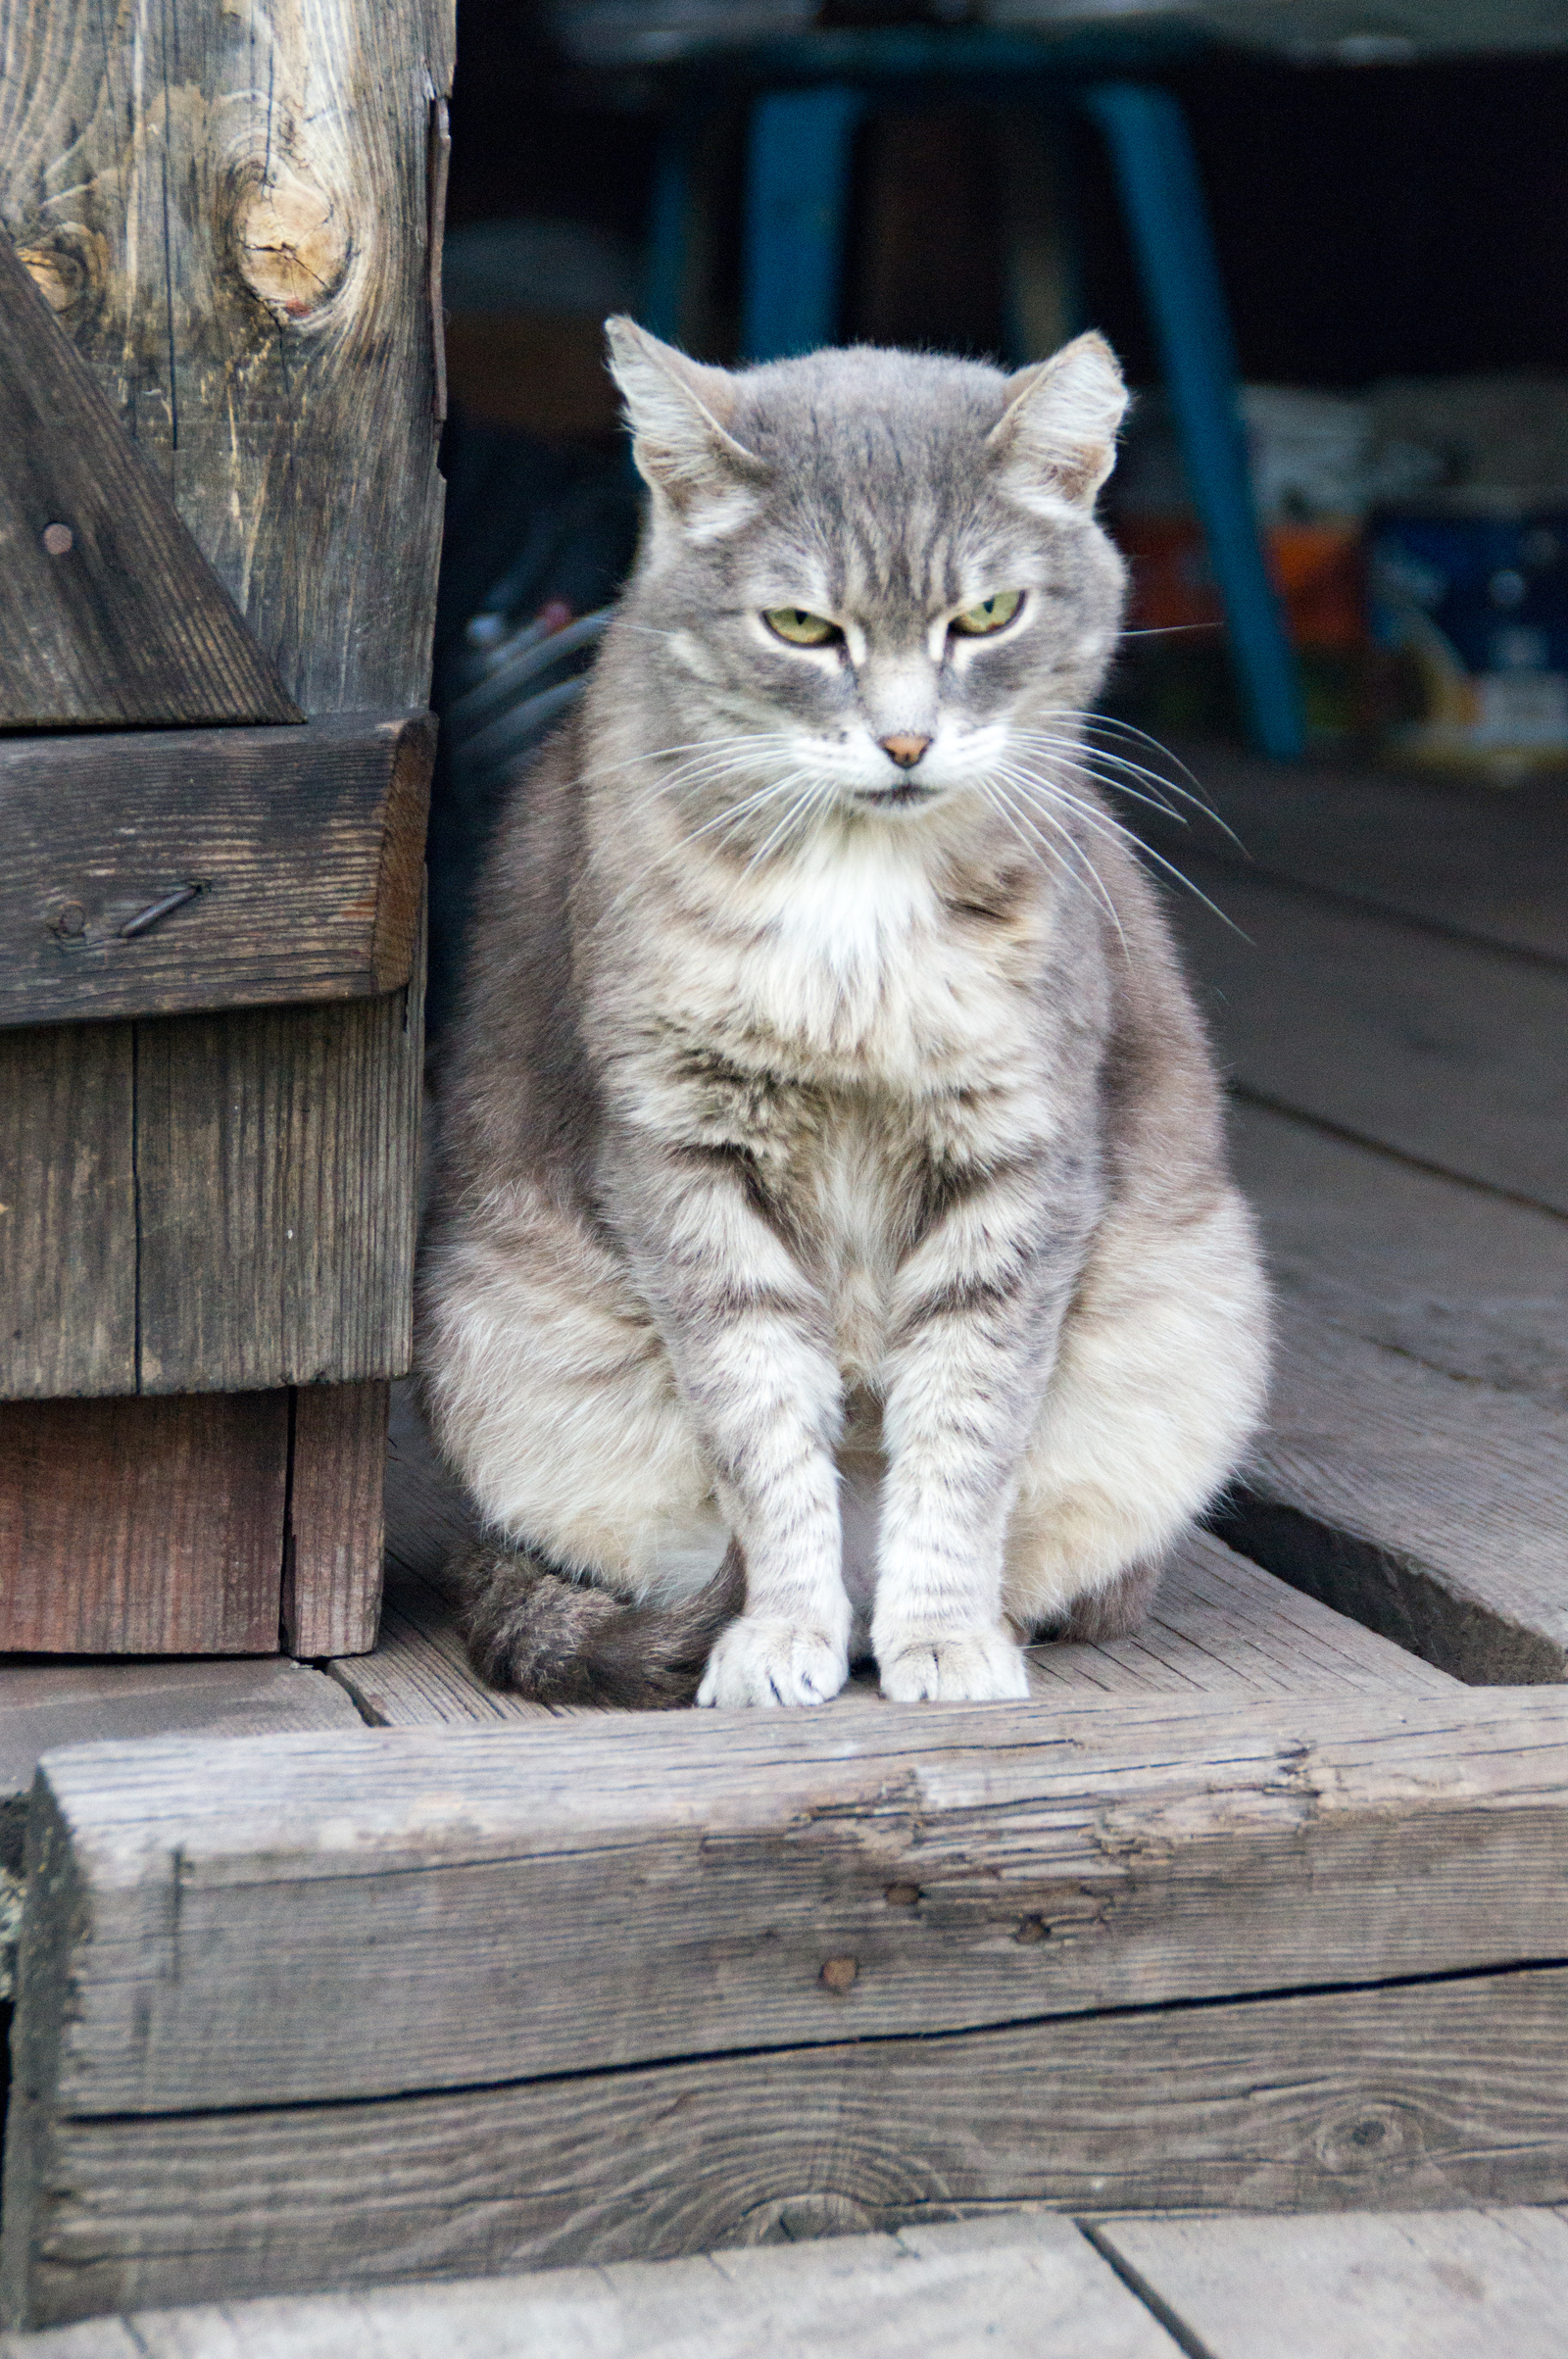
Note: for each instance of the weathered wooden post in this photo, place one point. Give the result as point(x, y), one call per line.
point(220, 390)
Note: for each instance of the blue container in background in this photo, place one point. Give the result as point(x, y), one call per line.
point(1469, 611)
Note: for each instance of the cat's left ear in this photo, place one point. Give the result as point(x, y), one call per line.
point(1056, 438)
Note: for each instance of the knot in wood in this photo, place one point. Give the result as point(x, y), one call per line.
point(68, 265)
point(291, 242)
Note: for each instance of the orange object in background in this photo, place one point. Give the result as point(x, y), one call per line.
point(1320, 572)
point(1318, 569)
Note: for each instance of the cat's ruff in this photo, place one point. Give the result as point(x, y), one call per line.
point(833, 1155)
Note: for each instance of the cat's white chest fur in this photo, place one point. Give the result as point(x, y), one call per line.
point(851, 960)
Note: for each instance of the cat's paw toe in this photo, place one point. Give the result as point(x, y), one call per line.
point(767, 1662)
point(973, 1667)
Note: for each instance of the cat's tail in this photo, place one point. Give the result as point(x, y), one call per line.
point(559, 1641)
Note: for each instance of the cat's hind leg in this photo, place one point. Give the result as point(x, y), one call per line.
point(1159, 1381)
point(603, 1574)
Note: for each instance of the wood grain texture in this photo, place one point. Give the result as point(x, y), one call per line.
point(109, 616)
point(1454, 853)
point(1220, 1626)
point(348, 1906)
point(1390, 2286)
point(142, 1527)
point(67, 1227)
point(228, 211)
point(1452, 1277)
point(336, 1521)
point(301, 852)
point(1425, 2094)
point(1429, 1508)
point(276, 1166)
point(44, 1705)
point(1009, 2289)
point(1450, 1051)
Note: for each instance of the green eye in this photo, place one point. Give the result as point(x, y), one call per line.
point(989, 615)
point(801, 629)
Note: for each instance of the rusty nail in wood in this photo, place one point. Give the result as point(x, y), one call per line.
point(839, 1972)
point(902, 1896)
point(145, 919)
point(59, 539)
point(1032, 1930)
point(70, 919)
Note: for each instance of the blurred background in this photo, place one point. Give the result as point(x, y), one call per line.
point(1385, 189)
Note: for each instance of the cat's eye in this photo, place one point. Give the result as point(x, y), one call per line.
point(989, 615)
point(800, 628)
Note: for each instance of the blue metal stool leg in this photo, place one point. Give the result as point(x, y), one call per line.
point(797, 196)
point(1163, 199)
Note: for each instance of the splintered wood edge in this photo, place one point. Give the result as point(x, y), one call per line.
point(1495, 1744)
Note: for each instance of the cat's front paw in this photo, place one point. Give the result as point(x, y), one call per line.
point(760, 1659)
point(969, 1666)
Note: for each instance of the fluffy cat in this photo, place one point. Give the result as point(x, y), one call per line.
point(832, 1245)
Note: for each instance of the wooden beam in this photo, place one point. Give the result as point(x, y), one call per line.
point(109, 616)
point(315, 2007)
point(242, 1190)
point(231, 212)
point(1170, 1850)
point(163, 872)
point(336, 1521)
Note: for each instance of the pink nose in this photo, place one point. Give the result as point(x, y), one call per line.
point(905, 751)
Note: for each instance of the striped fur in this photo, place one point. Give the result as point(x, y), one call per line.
point(832, 1159)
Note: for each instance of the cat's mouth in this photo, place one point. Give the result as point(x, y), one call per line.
point(894, 797)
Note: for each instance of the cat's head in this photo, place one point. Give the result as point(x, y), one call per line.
point(876, 573)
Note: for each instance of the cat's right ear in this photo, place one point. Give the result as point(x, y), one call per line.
point(678, 411)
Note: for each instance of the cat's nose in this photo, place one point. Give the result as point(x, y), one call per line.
point(905, 751)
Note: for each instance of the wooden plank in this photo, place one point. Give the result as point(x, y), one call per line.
point(301, 853)
point(109, 616)
point(209, 1202)
point(67, 1227)
point(1455, 853)
point(1415, 2095)
point(418, 1675)
point(278, 1178)
point(1451, 1276)
point(978, 1865)
point(1453, 1052)
point(336, 1525)
point(1220, 1626)
point(1427, 1506)
point(1008, 2287)
point(1424, 2284)
point(45, 1705)
point(229, 211)
point(142, 1527)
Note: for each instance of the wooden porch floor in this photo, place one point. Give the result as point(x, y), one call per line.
point(1396, 1028)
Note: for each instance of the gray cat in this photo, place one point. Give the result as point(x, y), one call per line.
point(832, 1245)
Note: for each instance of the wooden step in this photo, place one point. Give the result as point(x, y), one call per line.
point(432, 2002)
